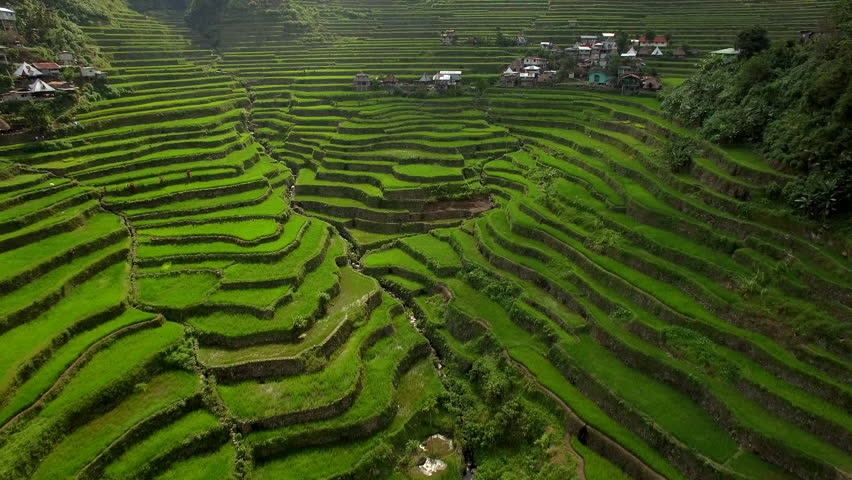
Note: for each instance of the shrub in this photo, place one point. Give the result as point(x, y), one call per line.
point(701, 351)
point(621, 313)
point(602, 239)
point(677, 155)
point(818, 195)
point(751, 285)
point(181, 356)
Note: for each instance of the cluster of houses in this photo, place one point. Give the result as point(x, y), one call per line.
point(43, 80)
point(443, 80)
point(527, 72)
point(40, 80)
point(591, 55)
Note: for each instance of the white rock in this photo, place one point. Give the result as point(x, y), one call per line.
point(432, 466)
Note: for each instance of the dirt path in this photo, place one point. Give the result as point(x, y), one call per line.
point(625, 460)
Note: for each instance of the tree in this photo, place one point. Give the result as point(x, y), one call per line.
point(6, 83)
point(37, 117)
point(621, 41)
point(480, 84)
point(649, 35)
point(752, 41)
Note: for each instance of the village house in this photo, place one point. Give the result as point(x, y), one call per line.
point(626, 68)
point(608, 40)
point(424, 80)
point(630, 53)
point(727, 53)
point(37, 90)
point(630, 83)
point(361, 82)
point(651, 82)
point(447, 78)
point(8, 19)
point(679, 52)
point(526, 72)
point(66, 58)
point(49, 69)
point(448, 37)
point(599, 77)
point(657, 41)
point(390, 81)
point(587, 40)
point(534, 61)
point(92, 73)
point(528, 79)
point(509, 78)
point(26, 73)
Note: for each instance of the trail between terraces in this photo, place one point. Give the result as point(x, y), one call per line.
point(647, 472)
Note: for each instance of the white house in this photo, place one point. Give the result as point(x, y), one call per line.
point(27, 70)
point(447, 78)
point(7, 14)
point(629, 53)
point(657, 52)
point(92, 73)
point(608, 40)
point(66, 58)
point(535, 61)
point(587, 40)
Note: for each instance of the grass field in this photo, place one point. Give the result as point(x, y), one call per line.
point(242, 268)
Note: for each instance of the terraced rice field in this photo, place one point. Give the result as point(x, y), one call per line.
point(220, 274)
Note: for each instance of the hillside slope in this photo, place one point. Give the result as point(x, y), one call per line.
point(246, 269)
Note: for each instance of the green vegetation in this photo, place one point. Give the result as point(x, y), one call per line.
point(241, 267)
point(791, 101)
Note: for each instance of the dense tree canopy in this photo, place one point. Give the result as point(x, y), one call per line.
point(794, 101)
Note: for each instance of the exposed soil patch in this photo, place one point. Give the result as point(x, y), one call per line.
point(475, 205)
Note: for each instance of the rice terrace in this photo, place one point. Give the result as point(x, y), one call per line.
point(412, 239)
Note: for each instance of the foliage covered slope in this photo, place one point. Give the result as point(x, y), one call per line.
point(794, 101)
point(246, 269)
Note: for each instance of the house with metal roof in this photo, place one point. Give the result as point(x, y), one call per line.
point(657, 41)
point(27, 71)
point(630, 53)
point(7, 15)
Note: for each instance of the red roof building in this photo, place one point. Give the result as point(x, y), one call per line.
point(657, 41)
point(46, 66)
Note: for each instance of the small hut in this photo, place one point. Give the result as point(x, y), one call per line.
point(630, 83)
point(509, 78)
point(390, 81)
point(651, 82)
point(361, 82)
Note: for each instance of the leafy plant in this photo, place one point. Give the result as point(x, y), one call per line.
point(677, 155)
point(603, 239)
